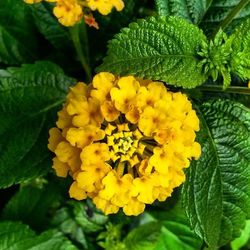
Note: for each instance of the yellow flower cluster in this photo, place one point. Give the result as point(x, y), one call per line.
point(124, 141)
point(70, 12)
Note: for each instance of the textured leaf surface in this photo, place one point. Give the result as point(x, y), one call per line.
point(217, 190)
point(240, 57)
point(28, 94)
point(15, 30)
point(89, 224)
point(163, 48)
point(30, 205)
point(217, 12)
point(16, 236)
point(192, 10)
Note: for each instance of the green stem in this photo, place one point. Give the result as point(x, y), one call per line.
point(231, 15)
point(83, 57)
point(230, 89)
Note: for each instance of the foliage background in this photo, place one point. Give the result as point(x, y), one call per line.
point(40, 59)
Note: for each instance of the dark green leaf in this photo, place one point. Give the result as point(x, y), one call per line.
point(30, 205)
point(27, 95)
point(16, 236)
point(16, 29)
point(163, 48)
point(49, 26)
point(192, 10)
point(217, 190)
point(218, 11)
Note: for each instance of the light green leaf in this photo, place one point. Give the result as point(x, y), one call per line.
point(88, 223)
point(240, 57)
point(238, 243)
point(176, 232)
point(217, 190)
point(144, 237)
point(162, 48)
point(28, 94)
point(16, 29)
point(16, 236)
point(192, 10)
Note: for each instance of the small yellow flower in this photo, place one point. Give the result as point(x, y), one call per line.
point(124, 96)
point(70, 12)
point(105, 6)
point(95, 153)
point(76, 192)
point(124, 141)
point(61, 168)
point(92, 175)
point(38, 1)
point(81, 137)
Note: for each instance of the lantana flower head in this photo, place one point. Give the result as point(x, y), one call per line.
point(69, 12)
point(125, 142)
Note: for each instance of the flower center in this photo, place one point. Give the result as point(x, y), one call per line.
point(124, 144)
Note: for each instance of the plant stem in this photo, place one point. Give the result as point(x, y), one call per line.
point(83, 57)
point(231, 15)
point(230, 89)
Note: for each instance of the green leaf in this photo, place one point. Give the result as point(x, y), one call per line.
point(218, 11)
point(163, 48)
point(88, 218)
point(238, 243)
point(192, 10)
point(240, 57)
point(16, 236)
point(16, 29)
point(49, 26)
point(32, 88)
point(144, 237)
point(77, 220)
point(28, 94)
point(30, 205)
point(217, 190)
point(176, 232)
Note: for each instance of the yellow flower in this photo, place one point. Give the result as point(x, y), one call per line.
point(76, 192)
point(104, 6)
point(95, 153)
point(116, 189)
point(84, 136)
point(61, 168)
point(68, 12)
point(32, 1)
point(151, 119)
point(38, 1)
point(124, 141)
point(91, 176)
point(85, 112)
point(124, 95)
point(105, 205)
